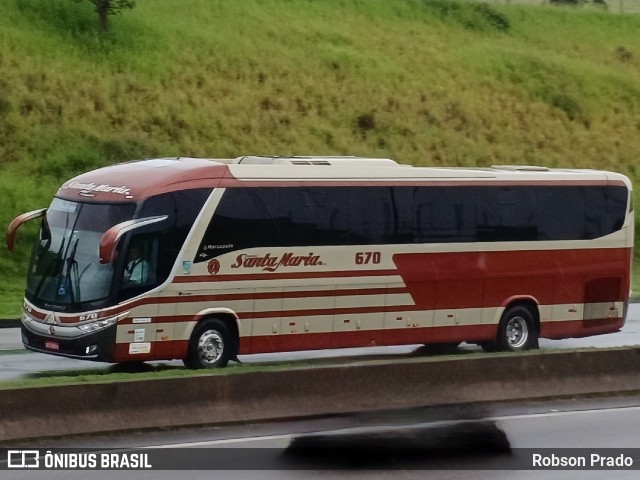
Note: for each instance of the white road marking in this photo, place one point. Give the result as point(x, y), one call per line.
point(378, 428)
point(224, 441)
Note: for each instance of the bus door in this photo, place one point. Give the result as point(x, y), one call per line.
point(150, 330)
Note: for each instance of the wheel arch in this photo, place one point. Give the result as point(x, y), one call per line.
point(527, 301)
point(530, 303)
point(229, 317)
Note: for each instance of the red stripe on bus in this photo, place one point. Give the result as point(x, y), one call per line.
point(411, 336)
point(37, 314)
point(313, 312)
point(277, 314)
point(580, 328)
point(286, 295)
point(439, 281)
point(284, 276)
point(181, 299)
point(278, 295)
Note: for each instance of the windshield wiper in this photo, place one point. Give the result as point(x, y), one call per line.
point(64, 278)
point(53, 266)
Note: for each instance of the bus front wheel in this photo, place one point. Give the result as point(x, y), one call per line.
point(517, 330)
point(209, 346)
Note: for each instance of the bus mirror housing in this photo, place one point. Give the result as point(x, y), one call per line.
point(110, 239)
point(17, 222)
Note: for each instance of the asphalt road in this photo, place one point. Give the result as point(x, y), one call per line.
point(398, 446)
point(17, 363)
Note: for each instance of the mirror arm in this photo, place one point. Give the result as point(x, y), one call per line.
point(111, 237)
point(17, 222)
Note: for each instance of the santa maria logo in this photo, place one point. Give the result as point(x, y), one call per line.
point(94, 187)
point(271, 263)
point(213, 267)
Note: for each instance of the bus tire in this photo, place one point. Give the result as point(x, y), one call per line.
point(210, 345)
point(517, 330)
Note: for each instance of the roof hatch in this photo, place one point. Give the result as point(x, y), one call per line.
point(520, 168)
point(299, 160)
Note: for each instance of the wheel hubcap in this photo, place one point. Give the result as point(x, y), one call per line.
point(210, 347)
point(517, 332)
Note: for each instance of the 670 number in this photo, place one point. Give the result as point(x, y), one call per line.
point(364, 258)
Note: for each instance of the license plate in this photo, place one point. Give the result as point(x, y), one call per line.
point(51, 345)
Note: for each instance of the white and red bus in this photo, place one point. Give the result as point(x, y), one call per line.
point(204, 260)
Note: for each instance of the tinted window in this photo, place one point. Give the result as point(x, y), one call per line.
point(308, 216)
point(244, 218)
point(445, 214)
point(605, 210)
point(562, 213)
point(160, 243)
point(313, 216)
point(251, 217)
point(507, 214)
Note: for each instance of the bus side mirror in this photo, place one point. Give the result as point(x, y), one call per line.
point(110, 239)
point(17, 222)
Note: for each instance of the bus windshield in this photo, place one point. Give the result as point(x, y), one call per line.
point(65, 268)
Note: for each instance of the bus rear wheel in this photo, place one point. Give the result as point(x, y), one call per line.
point(209, 346)
point(517, 330)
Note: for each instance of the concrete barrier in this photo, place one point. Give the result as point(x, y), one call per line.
point(298, 393)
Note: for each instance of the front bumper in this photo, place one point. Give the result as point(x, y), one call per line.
point(99, 345)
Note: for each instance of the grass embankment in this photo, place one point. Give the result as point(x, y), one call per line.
point(159, 371)
point(136, 372)
point(429, 82)
point(125, 373)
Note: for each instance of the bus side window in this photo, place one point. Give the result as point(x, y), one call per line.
point(445, 214)
point(244, 218)
point(367, 220)
point(398, 217)
point(141, 263)
point(336, 222)
point(596, 212)
point(616, 208)
point(507, 214)
point(161, 242)
point(309, 211)
point(561, 211)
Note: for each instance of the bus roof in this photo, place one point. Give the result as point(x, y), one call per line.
point(136, 180)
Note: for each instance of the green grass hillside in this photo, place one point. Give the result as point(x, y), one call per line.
point(428, 82)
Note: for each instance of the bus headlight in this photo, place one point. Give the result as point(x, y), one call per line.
point(98, 325)
point(26, 318)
